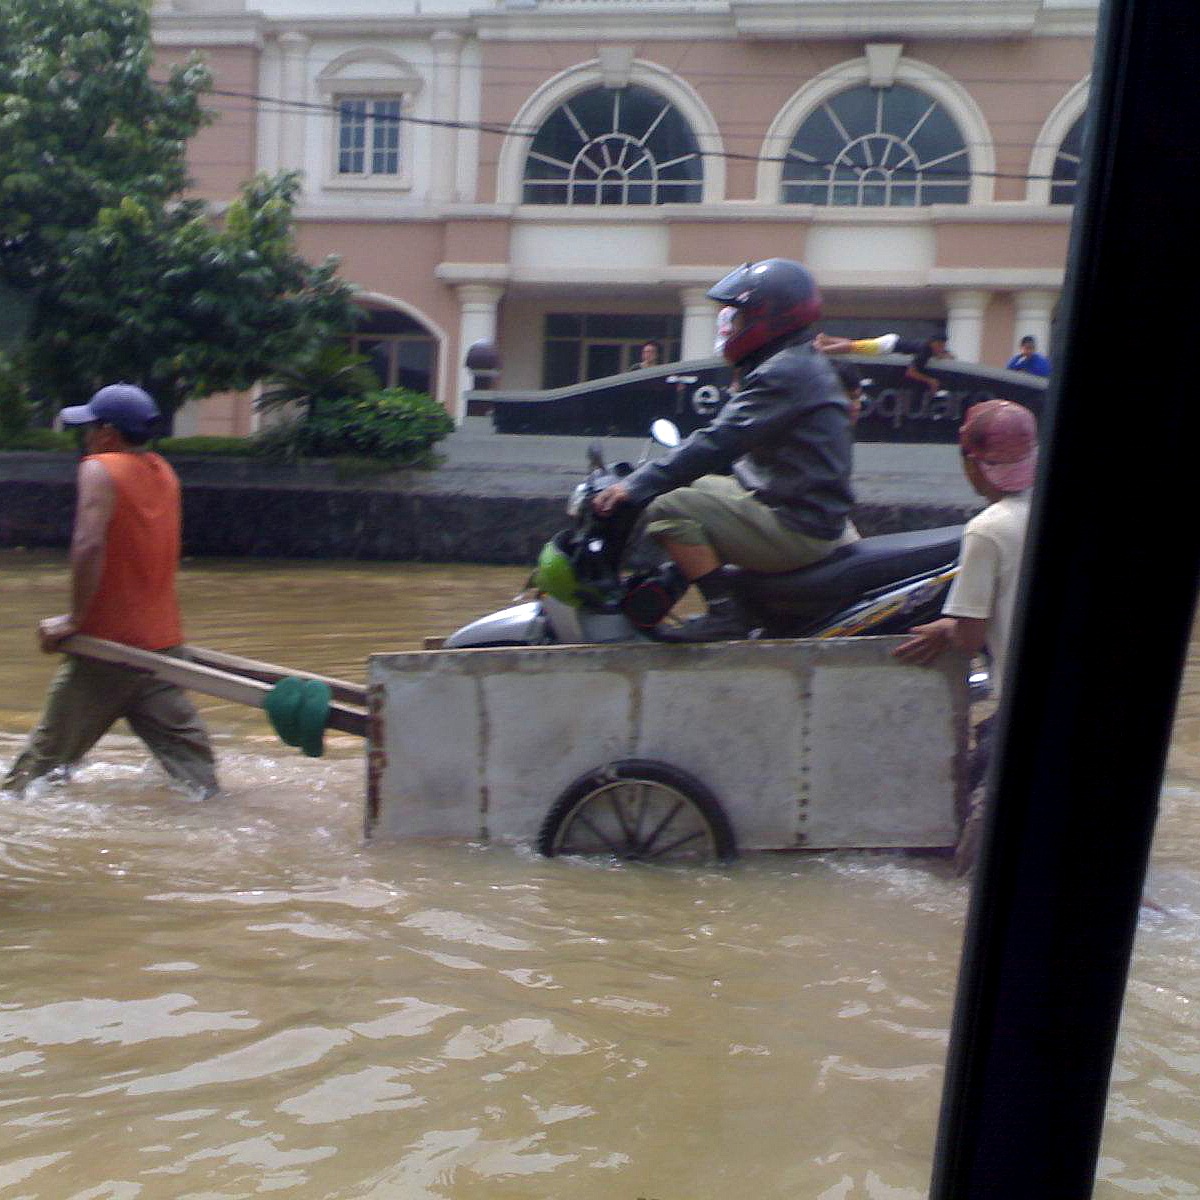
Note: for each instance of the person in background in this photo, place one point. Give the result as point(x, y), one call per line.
point(651, 355)
point(998, 440)
point(853, 383)
point(891, 343)
point(785, 433)
point(1028, 359)
point(124, 559)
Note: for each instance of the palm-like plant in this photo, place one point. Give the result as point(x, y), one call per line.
point(331, 372)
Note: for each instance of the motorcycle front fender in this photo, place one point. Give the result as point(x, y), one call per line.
point(520, 625)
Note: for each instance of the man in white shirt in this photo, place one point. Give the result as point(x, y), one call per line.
point(999, 447)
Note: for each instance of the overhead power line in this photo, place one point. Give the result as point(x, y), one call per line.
point(260, 102)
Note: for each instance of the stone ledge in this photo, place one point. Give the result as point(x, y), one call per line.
point(326, 522)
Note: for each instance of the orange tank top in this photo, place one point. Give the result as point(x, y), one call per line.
point(136, 602)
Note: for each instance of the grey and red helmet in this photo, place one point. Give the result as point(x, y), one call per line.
point(775, 297)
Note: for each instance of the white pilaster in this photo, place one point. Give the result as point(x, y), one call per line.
point(1034, 313)
point(699, 323)
point(293, 80)
point(478, 303)
point(447, 51)
point(964, 323)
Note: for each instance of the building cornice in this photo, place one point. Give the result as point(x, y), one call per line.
point(997, 278)
point(910, 19)
point(660, 20)
point(789, 19)
point(1015, 212)
point(984, 279)
point(206, 29)
point(584, 21)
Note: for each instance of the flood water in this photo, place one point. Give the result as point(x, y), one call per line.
point(240, 997)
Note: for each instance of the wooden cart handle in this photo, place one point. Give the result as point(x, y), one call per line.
point(249, 687)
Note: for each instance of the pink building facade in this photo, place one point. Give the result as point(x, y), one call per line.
point(567, 177)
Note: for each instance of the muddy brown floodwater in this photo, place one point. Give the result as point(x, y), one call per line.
point(240, 998)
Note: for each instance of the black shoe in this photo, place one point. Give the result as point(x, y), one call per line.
point(724, 622)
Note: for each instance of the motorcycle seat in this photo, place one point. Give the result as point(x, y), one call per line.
point(853, 571)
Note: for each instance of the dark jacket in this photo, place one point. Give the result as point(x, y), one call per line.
point(787, 436)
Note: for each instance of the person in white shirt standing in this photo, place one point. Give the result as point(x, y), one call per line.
point(998, 440)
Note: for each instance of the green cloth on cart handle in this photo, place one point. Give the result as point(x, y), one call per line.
point(298, 710)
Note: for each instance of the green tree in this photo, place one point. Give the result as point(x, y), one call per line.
point(164, 299)
point(125, 278)
point(15, 409)
point(83, 125)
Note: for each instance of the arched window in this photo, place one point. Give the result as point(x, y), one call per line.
point(402, 351)
point(877, 147)
point(614, 146)
point(1066, 166)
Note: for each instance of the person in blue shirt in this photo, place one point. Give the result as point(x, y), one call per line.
point(1027, 359)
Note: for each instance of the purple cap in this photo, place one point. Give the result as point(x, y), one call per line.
point(123, 405)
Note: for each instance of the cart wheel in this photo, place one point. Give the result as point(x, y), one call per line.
point(639, 811)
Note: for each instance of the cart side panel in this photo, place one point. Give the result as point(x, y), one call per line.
point(432, 780)
point(737, 729)
point(545, 728)
point(884, 755)
point(821, 744)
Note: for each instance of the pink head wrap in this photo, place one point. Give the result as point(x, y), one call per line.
point(1000, 437)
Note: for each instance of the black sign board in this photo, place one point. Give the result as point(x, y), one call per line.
point(894, 409)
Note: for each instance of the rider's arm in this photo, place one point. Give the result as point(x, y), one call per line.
point(771, 401)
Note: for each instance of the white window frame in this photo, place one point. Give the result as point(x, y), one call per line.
point(372, 124)
point(610, 152)
point(510, 167)
point(396, 83)
point(898, 150)
point(937, 84)
point(1049, 141)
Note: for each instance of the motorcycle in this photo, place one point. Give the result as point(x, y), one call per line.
point(583, 593)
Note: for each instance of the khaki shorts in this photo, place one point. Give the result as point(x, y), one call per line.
point(717, 511)
point(87, 698)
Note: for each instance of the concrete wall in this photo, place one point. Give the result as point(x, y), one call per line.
point(304, 512)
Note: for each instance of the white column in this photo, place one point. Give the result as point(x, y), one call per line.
point(1034, 313)
point(294, 87)
point(964, 323)
point(699, 323)
point(478, 303)
point(444, 167)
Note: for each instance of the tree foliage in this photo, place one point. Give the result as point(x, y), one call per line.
point(83, 125)
point(15, 408)
point(127, 279)
point(395, 425)
point(165, 299)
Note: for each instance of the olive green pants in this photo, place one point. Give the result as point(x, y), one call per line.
point(87, 698)
point(716, 510)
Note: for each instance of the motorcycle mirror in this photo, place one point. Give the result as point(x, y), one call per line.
point(665, 433)
point(594, 456)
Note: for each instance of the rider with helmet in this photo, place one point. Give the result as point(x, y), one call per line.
point(786, 435)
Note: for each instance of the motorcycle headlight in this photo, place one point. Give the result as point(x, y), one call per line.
point(577, 499)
